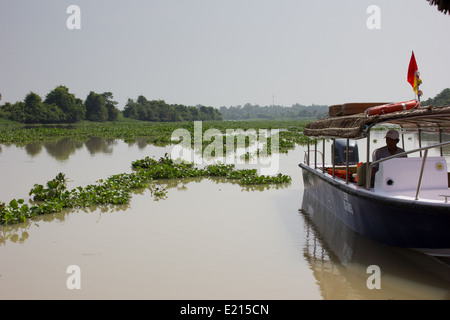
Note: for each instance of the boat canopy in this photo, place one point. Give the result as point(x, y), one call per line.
point(357, 126)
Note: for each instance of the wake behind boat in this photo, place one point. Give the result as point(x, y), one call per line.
point(405, 203)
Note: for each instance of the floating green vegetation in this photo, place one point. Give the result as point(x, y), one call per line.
point(116, 190)
point(167, 168)
point(156, 133)
point(54, 197)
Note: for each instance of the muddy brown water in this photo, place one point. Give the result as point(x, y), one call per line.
point(209, 239)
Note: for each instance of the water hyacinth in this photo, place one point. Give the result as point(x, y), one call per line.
point(167, 168)
point(155, 133)
point(116, 190)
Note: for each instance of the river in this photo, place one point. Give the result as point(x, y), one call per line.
point(209, 239)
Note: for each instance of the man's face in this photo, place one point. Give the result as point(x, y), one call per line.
point(391, 142)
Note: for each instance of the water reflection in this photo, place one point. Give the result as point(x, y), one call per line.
point(15, 233)
point(18, 232)
point(34, 149)
point(339, 259)
point(61, 150)
point(100, 145)
point(180, 184)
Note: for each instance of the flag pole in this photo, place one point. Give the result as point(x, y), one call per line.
point(418, 85)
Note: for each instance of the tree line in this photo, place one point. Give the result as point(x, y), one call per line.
point(61, 106)
point(297, 111)
point(159, 110)
point(441, 99)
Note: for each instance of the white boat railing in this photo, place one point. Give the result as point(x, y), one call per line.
point(399, 155)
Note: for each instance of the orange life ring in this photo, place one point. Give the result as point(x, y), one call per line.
point(393, 107)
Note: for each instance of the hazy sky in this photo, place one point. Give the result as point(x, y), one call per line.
point(223, 53)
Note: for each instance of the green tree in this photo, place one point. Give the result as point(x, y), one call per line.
point(53, 114)
point(16, 111)
point(195, 113)
point(34, 110)
point(131, 109)
point(441, 99)
point(113, 112)
point(72, 108)
point(96, 107)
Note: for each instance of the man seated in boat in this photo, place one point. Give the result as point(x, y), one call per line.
point(392, 138)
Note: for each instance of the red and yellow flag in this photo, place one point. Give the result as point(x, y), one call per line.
point(413, 74)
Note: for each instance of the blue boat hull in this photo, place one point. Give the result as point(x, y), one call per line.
point(395, 222)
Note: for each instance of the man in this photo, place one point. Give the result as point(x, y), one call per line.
point(390, 148)
point(392, 138)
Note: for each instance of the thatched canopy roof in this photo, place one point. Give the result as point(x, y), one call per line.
point(442, 5)
point(357, 126)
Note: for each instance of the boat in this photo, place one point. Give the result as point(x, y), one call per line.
point(405, 204)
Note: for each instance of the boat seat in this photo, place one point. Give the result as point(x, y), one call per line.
point(402, 174)
point(362, 174)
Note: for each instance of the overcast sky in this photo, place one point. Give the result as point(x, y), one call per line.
point(223, 53)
